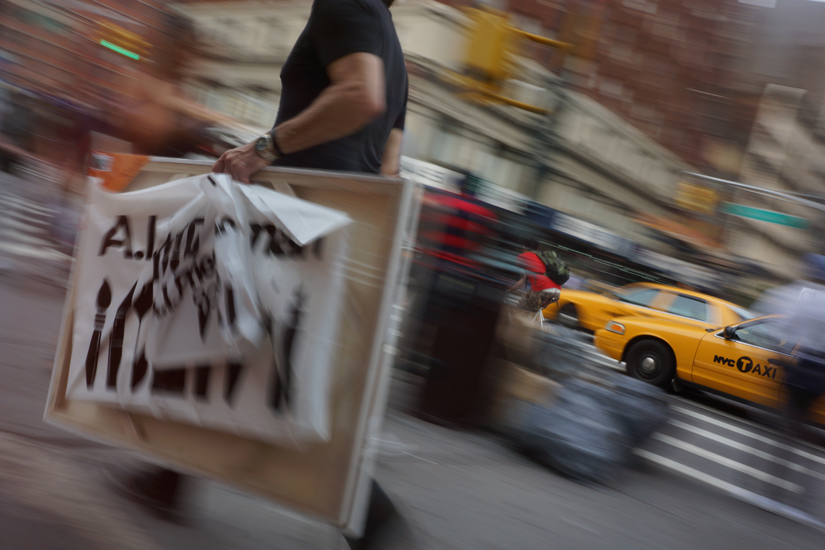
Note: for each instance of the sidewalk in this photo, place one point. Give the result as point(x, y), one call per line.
point(456, 490)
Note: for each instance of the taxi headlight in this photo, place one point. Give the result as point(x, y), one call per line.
point(613, 326)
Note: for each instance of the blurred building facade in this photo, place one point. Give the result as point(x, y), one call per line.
point(666, 87)
point(659, 64)
point(51, 54)
point(604, 170)
point(54, 46)
point(785, 154)
point(602, 165)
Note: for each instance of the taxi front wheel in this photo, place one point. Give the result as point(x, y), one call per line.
point(651, 361)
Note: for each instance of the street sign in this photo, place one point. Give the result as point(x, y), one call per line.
point(696, 198)
point(761, 214)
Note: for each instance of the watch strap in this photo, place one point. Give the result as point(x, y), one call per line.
point(275, 147)
point(265, 150)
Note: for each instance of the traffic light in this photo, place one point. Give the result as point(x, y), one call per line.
point(487, 62)
point(491, 38)
point(120, 40)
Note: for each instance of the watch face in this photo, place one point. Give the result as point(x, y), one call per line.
point(260, 144)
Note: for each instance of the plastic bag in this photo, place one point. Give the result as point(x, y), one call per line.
point(207, 301)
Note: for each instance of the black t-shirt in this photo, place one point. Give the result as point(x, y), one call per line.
point(337, 28)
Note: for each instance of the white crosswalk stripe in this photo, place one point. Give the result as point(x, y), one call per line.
point(26, 222)
point(747, 448)
point(742, 458)
point(747, 460)
point(753, 435)
point(729, 462)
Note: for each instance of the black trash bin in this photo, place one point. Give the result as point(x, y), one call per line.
point(464, 311)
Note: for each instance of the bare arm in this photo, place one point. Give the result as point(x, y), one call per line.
point(355, 96)
point(391, 163)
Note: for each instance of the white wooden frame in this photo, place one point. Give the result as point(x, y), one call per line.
point(329, 481)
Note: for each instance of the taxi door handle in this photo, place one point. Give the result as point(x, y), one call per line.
point(777, 362)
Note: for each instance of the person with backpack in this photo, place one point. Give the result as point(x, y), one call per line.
point(544, 274)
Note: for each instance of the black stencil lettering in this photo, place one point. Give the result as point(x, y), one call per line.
point(318, 248)
point(193, 240)
point(290, 347)
point(275, 389)
point(161, 258)
point(150, 237)
point(230, 305)
point(233, 375)
point(116, 342)
point(274, 398)
point(202, 375)
point(208, 266)
point(172, 381)
point(204, 305)
point(220, 227)
point(255, 230)
point(166, 299)
point(285, 245)
point(104, 299)
point(143, 303)
point(121, 224)
point(175, 262)
point(179, 279)
point(139, 369)
point(274, 248)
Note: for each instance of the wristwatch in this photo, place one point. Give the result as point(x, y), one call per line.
point(266, 149)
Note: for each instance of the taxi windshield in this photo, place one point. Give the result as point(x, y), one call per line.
point(744, 314)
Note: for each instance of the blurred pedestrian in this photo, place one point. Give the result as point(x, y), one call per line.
point(155, 113)
point(343, 106)
point(802, 305)
point(461, 307)
point(537, 289)
point(453, 230)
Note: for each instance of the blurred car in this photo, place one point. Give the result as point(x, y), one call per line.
point(743, 360)
point(592, 310)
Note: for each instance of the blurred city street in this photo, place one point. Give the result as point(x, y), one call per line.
point(584, 240)
point(455, 489)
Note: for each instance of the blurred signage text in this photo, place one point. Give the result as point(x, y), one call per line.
point(696, 198)
point(761, 214)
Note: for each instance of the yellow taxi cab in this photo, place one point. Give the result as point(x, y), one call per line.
point(591, 310)
point(741, 360)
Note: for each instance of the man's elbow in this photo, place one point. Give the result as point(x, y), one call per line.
point(367, 101)
point(373, 105)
